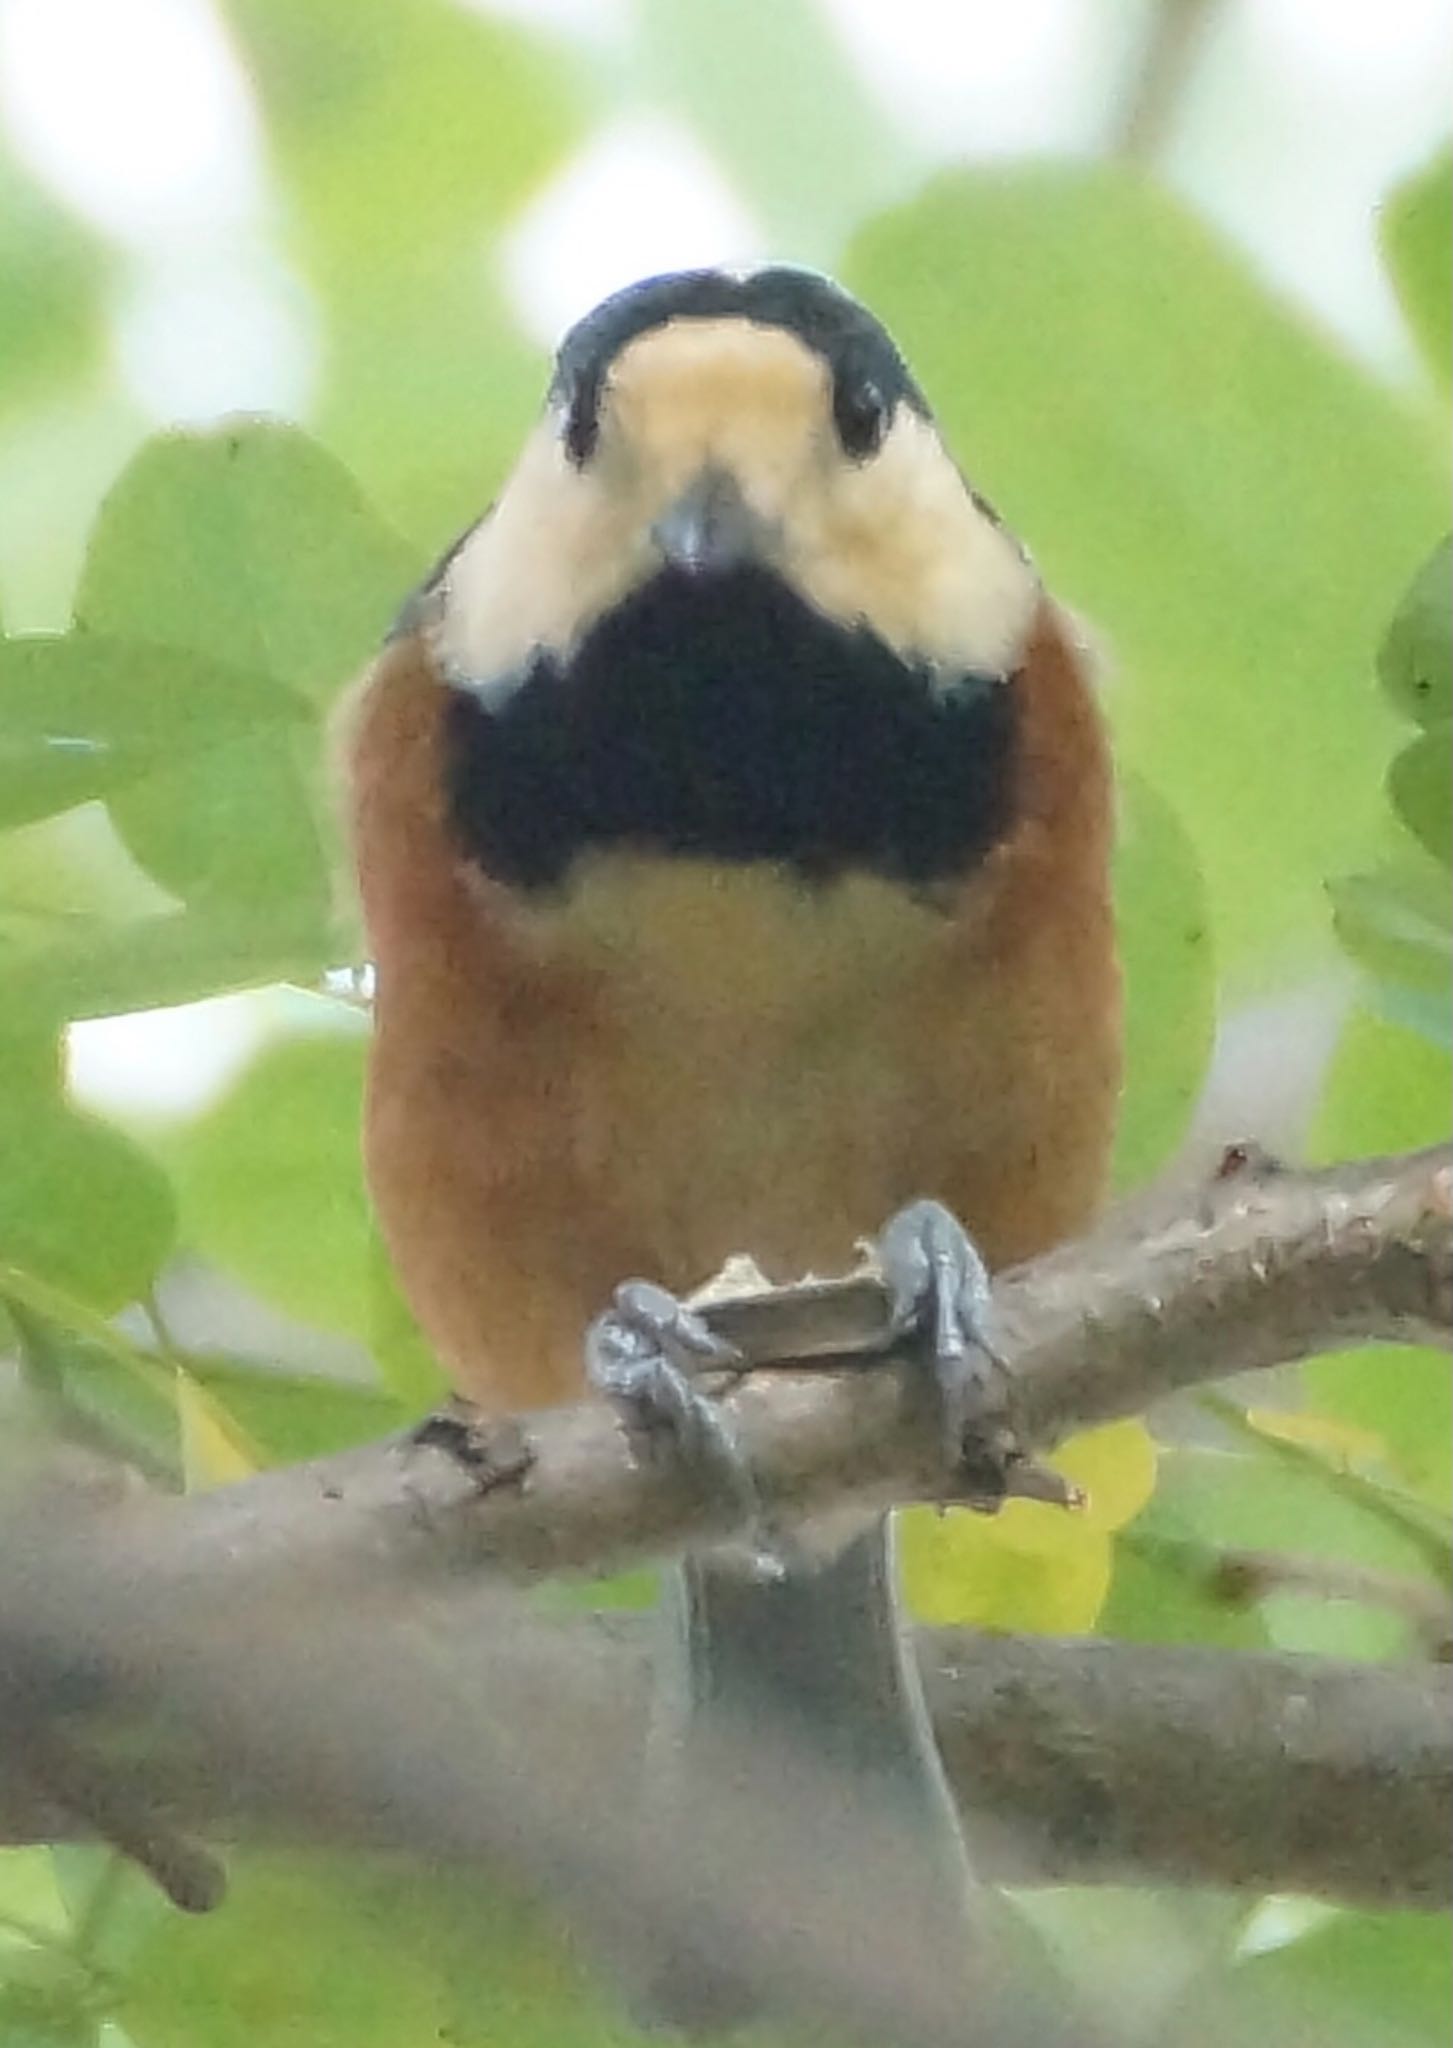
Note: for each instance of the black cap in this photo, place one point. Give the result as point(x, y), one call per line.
point(857, 348)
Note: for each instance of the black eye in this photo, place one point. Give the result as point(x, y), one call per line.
point(861, 414)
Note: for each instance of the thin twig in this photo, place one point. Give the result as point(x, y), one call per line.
point(1157, 86)
point(1241, 1577)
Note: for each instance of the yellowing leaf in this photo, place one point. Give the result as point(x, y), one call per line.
point(1031, 1566)
point(956, 1572)
point(215, 1449)
point(1114, 1468)
point(1342, 1441)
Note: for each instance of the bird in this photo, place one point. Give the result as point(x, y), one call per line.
point(732, 812)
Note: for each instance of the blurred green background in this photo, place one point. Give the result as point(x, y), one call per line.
point(277, 284)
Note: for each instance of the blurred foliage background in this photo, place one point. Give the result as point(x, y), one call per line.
point(276, 283)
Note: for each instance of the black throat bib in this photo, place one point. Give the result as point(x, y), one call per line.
point(723, 718)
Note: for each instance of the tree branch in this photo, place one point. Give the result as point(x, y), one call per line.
point(1091, 1762)
point(1120, 1763)
point(277, 1624)
point(1272, 1266)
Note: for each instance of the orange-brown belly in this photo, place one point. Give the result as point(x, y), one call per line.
point(695, 1062)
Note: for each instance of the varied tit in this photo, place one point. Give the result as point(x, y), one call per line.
point(732, 818)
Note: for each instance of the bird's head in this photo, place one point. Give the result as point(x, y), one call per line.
point(710, 423)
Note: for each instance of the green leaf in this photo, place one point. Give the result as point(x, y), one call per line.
point(115, 1908)
point(81, 1206)
point(629, 1592)
point(272, 1188)
point(1279, 1497)
point(271, 1185)
point(400, 1350)
point(250, 544)
point(1168, 960)
point(1196, 468)
point(82, 716)
point(57, 2011)
point(1417, 246)
point(312, 1952)
point(1387, 1090)
point(32, 1062)
point(56, 461)
point(1131, 1953)
point(295, 1415)
point(1415, 660)
point(1396, 924)
point(1420, 783)
point(131, 1394)
point(29, 1893)
point(435, 443)
point(768, 87)
point(1161, 1592)
point(395, 127)
point(291, 1962)
point(52, 325)
point(407, 138)
point(63, 875)
point(1404, 1397)
point(1355, 1980)
point(1308, 1448)
point(237, 829)
point(126, 1395)
point(103, 968)
point(1381, 1974)
point(1281, 1486)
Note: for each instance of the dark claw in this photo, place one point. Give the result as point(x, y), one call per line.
point(645, 1354)
point(940, 1288)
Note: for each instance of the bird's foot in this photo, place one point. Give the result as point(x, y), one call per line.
point(647, 1354)
point(939, 1289)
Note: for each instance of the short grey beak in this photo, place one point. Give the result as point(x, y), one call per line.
point(710, 527)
